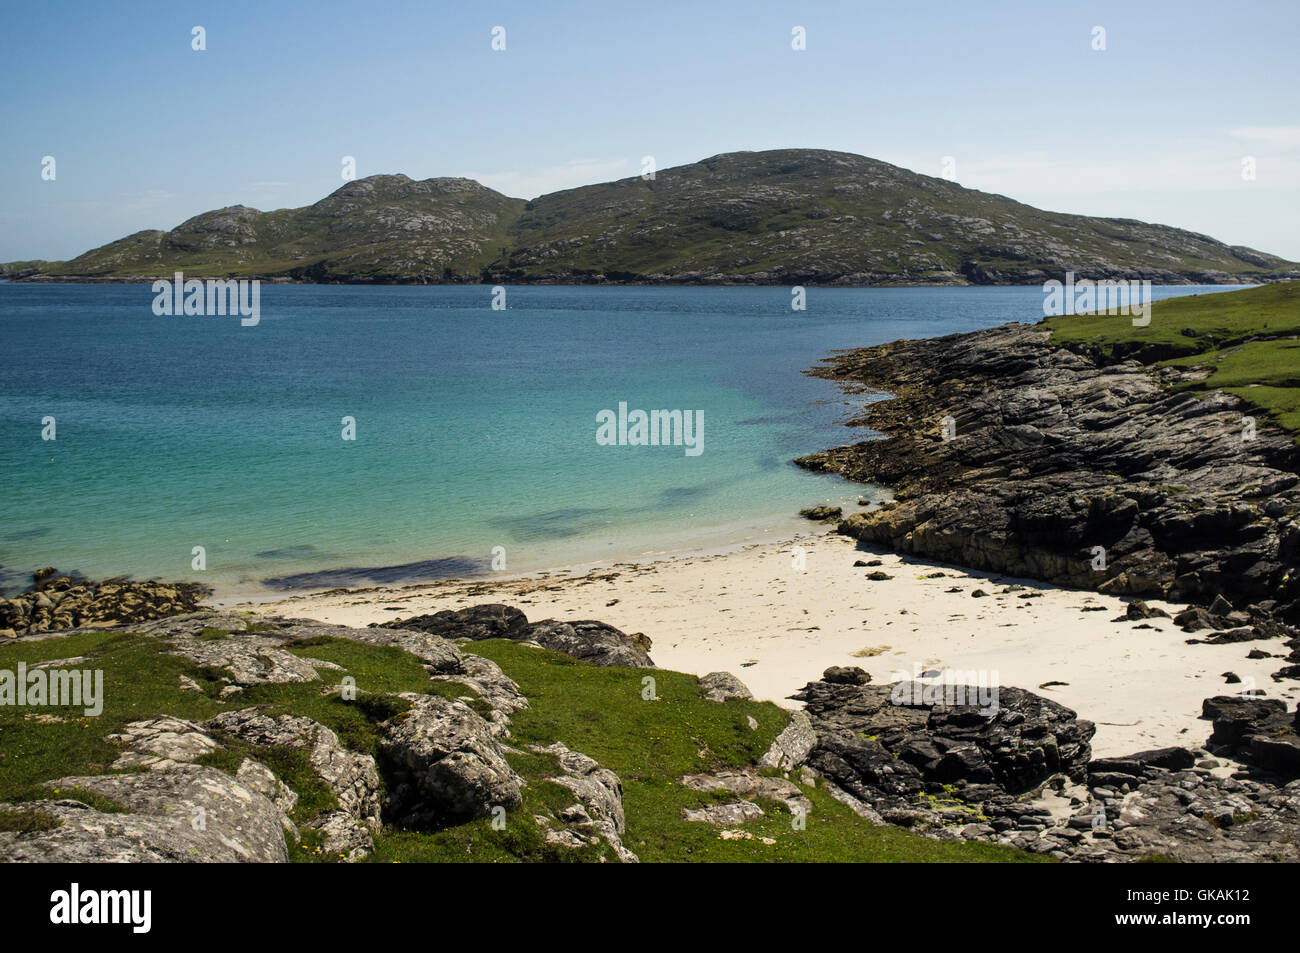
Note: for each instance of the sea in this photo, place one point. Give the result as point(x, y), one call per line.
point(368, 435)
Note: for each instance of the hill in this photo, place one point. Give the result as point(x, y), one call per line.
point(788, 216)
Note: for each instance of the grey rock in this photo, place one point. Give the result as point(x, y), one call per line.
point(790, 749)
point(445, 765)
point(724, 815)
point(723, 686)
point(187, 813)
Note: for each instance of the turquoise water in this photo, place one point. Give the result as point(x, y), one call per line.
point(475, 428)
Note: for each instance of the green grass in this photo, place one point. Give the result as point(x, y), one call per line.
point(651, 744)
point(1245, 341)
point(601, 712)
point(1189, 325)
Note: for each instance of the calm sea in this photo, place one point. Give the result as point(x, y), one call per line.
point(475, 429)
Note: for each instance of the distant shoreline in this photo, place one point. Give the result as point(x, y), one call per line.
point(614, 283)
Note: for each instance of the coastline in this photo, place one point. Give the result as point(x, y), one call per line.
point(574, 281)
point(749, 612)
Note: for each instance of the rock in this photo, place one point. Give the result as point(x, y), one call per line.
point(600, 795)
point(488, 621)
point(822, 513)
point(979, 594)
point(590, 641)
point(161, 743)
point(724, 815)
point(259, 778)
point(445, 765)
point(189, 813)
point(790, 749)
point(1259, 731)
point(879, 576)
point(1062, 450)
point(890, 741)
point(1137, 610)
point(343, 837)
point(1220, 606)
point(56, 603)
point(352, 776)
point(846, 675)
point(723, 686)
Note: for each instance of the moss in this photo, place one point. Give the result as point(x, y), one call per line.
point(25, 821)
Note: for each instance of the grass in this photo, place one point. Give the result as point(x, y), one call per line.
point(649, 738)
point(1193, 324)
point(1244, 342)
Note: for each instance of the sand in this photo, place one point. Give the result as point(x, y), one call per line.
point(755, 612)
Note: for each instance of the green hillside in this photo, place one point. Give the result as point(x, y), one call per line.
point(649, 745)
point(785, 216)
point(1244, 342)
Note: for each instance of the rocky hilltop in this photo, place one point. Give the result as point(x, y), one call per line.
point(384, 228)
point(786, 216)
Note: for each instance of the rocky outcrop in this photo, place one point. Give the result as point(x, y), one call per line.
point(444, 765)
point(443, 758)
point(56, 601)
point(821, 513)
point(723, 686)
point(598, 811)
point(1257, 731)
point(1063, 467)
point(351, 777)
point(591, 641)
point(188, 813)
point(889, 744)
point(791, 747)
point(488, 621)
point(1022, 777)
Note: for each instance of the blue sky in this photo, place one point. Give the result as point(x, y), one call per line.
point(146, 131)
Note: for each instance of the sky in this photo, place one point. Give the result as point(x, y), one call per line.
point(145, 131)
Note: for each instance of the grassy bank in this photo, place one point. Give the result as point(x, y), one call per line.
point(598, 711)
point(1243, 342)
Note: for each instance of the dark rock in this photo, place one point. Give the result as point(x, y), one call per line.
point(487, 621)
point(890, 741)
point(846, 675)
point(822, 513)
point(1065, 449)
point(1137, 610)
point(1259, 731)
point(591, 641)
point(57, 603)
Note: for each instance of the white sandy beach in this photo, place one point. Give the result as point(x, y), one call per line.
point(751, 612)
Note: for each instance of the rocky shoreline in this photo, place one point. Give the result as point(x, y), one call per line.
point(1008, 454)
point(1011, 455)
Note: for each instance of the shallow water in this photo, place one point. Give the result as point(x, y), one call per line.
point(475, 428)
